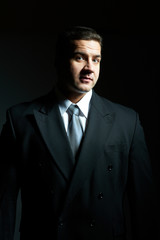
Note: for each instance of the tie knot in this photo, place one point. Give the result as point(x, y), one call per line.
point(74, 109)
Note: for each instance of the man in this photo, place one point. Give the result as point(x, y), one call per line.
point(75, 188)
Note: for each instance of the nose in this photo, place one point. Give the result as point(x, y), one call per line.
point(89, 65)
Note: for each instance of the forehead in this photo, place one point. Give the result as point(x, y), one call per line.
point(87, 46)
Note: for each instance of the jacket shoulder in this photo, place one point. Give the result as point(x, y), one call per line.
point(27, 107)
point(111, 106)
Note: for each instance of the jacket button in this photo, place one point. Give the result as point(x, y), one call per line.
point(110, 167)
point(100, 195)
point(52, 191)
point(41, 164)
point(92, 224)
point(60, 223)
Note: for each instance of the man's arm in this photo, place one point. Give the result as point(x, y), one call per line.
point(8, 181)
point(141, 189)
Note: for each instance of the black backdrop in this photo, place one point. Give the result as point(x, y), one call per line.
point(130, 63)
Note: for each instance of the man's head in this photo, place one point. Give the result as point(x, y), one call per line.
point(77, 60)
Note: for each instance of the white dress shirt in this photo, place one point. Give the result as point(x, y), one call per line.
point(83, 104)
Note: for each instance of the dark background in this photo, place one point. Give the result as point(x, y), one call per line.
point(130, 64)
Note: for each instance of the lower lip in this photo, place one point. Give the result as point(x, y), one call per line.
point(85, 80)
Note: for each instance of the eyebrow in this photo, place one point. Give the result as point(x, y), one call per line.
point(82, 53)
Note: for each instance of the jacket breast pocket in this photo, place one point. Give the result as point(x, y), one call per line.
point(116, 151)
point(121, 147)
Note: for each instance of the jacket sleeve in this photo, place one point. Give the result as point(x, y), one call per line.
point(8, 180)
point(141, 188)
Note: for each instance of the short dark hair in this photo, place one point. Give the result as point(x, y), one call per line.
point(64, 45)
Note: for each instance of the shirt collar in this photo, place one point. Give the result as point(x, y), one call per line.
point(83, 104)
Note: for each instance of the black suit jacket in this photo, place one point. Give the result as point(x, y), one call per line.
point(65, 198)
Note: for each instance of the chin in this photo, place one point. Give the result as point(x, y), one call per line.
point(83, 89)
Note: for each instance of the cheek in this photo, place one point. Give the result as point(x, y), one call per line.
point(97, 71)
point(75, 70)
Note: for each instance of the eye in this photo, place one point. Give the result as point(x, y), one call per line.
point(79, 58)
point(96, 60)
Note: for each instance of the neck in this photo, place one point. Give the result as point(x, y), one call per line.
point(73, 96)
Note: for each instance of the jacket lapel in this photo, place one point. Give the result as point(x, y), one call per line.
point(53, 132)
point(99, 126)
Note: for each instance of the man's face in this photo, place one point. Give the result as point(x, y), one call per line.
point(84, 66)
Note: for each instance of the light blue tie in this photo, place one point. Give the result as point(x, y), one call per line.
point(75, 131)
